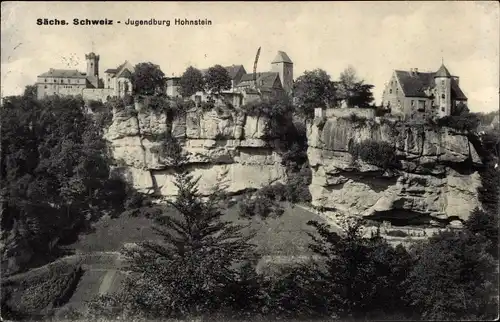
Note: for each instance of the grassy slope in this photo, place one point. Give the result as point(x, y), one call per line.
point(285, 235)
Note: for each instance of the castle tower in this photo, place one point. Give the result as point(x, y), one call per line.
point(443, 91)
point(93, 68)
point(283, 65)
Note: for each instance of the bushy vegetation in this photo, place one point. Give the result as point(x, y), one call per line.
point(190, 271)
point(381, 154)
point(260, 205)
point(55, 170)
point(466, 122)
point(278, 109)
point(38, 292)
point(396, 233)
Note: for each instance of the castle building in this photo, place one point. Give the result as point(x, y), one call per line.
point(243, 87)
point(63, 82)
point(416, 95)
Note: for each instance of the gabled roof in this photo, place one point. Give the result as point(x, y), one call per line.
point(67, 73)
point(281, 57)
point(117, 69)
point(231, 70)
point(234, 70)
point(414, 84)
point(442, 72)
point(264, 80)
point(126, 73)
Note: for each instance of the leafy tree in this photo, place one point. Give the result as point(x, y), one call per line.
point(314, 89)
point(217, 79)
point(484, 226)
point(192, 268)
point(191, 82)
point(30, 91)
point(453, 278)
point(148, 79)
point(353, 90)
point(55, 172)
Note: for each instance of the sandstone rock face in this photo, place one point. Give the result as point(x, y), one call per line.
point(436, 179)
point(223, 146)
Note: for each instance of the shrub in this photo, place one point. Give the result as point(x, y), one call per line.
point(360, 120)
point(381, 111)
point(396, 233)
point(297, 186)
point(278, 109)
point(381, 154)
point(466, 122)
point(38, 291)
point(260, 206)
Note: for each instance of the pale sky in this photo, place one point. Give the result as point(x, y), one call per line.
point(374, 37)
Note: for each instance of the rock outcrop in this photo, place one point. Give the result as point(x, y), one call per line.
point(223, 146)
point(436, 179)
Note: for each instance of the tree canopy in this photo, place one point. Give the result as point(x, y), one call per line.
point(191, 82)
point(191, 269)
point(148, 79)
point(217, 79)
point(353, 90)
point(55, 171)
point(314, 89)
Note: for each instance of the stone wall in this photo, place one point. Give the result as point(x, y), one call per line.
point(344, 112)
point(437, 179)
point(97, 94)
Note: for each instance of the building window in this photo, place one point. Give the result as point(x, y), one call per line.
point(442, 83)
point(45, 86)
point(45, 80)
point(397, 90)
point(443, 96)
point(412, 103)
point(390, 91)
point(442, 109)
point(55, 81)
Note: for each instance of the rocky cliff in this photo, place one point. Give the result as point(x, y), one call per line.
point(436, 180)
point(223, 146)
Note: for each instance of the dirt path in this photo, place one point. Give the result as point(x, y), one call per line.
point(107, 281)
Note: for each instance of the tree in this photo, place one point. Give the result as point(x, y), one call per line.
point(314, 89)
point(148, 79)
point(191, 82)
point(191, 270)
point(453, 278)
point(30, 91)
point(360, 275)
point(217, 79)
point(55, 173)
point(353, 90)
point(484, 226)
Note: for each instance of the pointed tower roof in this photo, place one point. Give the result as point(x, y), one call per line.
point(281, 57)
point(442, 72)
